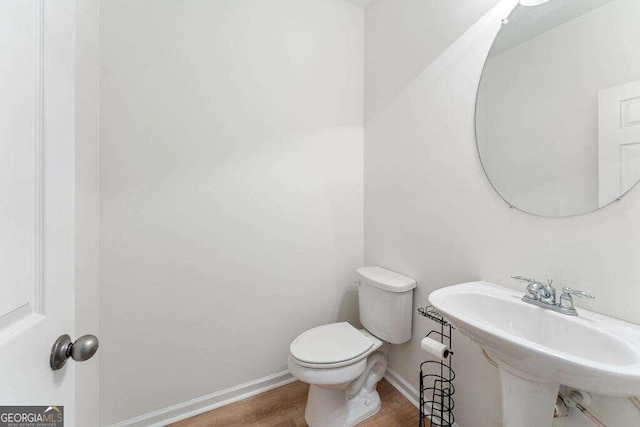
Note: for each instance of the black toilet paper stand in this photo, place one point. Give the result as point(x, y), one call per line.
point(436, 378)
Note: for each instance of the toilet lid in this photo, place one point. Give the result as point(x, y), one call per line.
point(333, 343)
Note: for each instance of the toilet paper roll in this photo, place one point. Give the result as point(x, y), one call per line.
point(435, 348)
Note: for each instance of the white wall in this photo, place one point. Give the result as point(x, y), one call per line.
point(543, 155)
point(231, 189)
point(432, 215)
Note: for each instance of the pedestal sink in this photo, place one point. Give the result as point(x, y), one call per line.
point(538, 349)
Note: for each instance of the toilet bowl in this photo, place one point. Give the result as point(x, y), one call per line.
point(343, 373)
point(343, 364)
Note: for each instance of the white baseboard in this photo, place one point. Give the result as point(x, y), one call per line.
point(403, 386)
point(200, 405)
point(209, 402)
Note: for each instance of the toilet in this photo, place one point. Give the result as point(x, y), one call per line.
point(343, 364)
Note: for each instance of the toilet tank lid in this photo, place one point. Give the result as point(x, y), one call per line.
point(385, 279)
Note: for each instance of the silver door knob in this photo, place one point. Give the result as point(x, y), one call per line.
point(80, 350)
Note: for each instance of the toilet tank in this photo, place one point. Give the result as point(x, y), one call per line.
point(386, 303)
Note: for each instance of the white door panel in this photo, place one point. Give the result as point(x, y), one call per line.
point(630, 165)
point(17, 169)
point(36, 199)
point(619, 140)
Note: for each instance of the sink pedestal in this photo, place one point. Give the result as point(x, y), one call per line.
point(526, 403)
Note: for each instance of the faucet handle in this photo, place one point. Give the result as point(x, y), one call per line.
point(533, 287)
point(581, 294)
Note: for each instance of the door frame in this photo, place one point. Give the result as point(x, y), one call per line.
point(87, 204)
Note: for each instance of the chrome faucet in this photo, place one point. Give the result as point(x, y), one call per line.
point(544, 296)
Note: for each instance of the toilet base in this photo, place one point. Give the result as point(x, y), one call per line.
point(330, 407)
point(326, 407)
point(349, 404)
point(362, 408)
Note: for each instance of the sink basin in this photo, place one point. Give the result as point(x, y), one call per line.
point(538, 349)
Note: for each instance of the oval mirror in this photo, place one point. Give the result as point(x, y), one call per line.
point(558, 106)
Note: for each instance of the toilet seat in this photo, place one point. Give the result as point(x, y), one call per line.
point(332, 345)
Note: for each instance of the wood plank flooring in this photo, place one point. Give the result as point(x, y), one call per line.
point(284, 407)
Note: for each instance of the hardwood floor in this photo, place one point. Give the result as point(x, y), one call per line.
point(284, 407)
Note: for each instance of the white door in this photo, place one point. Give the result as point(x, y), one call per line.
point(619, 140)
point(36, 200)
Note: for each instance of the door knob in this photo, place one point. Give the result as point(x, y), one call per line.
point(80, 350)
